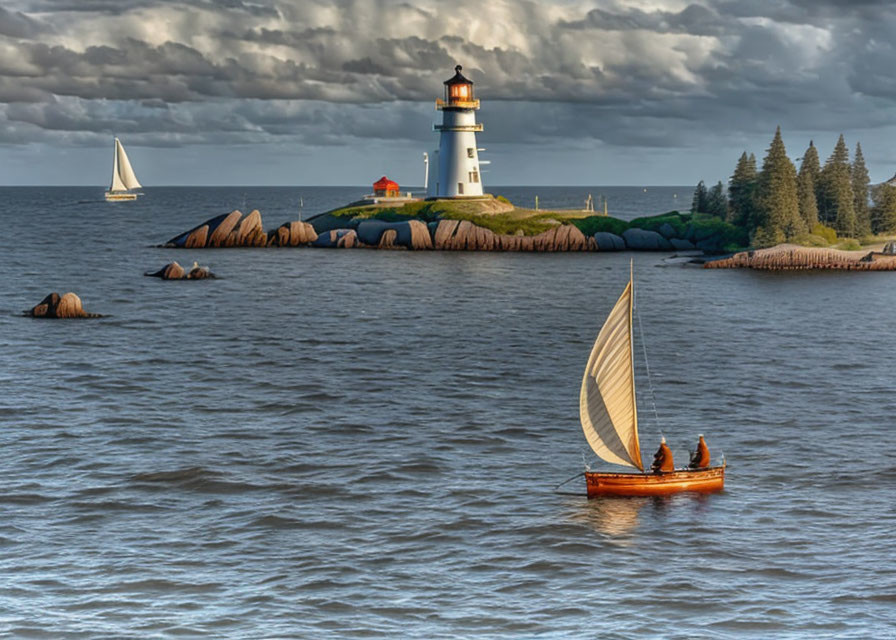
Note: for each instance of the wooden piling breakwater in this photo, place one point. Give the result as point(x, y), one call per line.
point(788, 257)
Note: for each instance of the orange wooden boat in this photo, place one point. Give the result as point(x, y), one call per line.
point(609, 413)
point(654, 484)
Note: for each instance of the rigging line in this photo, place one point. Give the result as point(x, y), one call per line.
point(656, 415)
point(568, 480)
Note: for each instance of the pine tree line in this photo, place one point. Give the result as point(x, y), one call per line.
point(779, 203)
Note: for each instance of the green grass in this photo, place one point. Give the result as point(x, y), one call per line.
point(508, 223)
point(594, 224)
point(676, 220)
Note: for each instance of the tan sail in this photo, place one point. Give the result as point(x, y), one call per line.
point(607, 403)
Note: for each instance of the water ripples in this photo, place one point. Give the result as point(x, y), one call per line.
point(355, 443)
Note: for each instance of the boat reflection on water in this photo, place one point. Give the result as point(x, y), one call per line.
point(616, 518)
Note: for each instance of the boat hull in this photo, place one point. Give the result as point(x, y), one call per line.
point(117, 197)
point(654, 484)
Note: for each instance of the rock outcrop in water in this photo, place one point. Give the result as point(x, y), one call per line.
point(56, 306)
point(235, 230)
point(173, 271)
point(788, 257)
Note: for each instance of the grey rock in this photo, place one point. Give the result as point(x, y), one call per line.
point(371, 231)
point(643, 240)
point(608, 241)
point(667, 231)
point(330, 239)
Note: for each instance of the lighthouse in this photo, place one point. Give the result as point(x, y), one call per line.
point(454, 167)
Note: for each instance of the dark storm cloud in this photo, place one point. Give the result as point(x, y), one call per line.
point(623, 72)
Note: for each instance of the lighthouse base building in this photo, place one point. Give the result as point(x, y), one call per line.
point(454, 167)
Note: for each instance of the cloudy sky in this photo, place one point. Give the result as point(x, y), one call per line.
point(332, 92)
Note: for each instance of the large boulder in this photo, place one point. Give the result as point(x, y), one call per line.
point(644, 240)
point(337, 238)
point(248, 232)
point(420, 236)
point(227, 230)
point(197, 237)
point(218, 236)
point(566, 237)
point(607, 241)
point(56, 306)
point(667, 231)
point(213, 232)
point(292, 234)
point(411, 234)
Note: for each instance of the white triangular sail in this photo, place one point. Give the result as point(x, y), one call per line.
point(607, 403)
point(123, 177)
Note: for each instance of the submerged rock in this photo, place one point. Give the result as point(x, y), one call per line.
point(173, 271)
point(56, 306)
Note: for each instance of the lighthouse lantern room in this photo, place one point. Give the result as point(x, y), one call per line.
point(454, 167)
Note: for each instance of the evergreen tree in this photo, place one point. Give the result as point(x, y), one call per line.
point(777, 202)
point(716, 203)
point(836, 206)
point(698, 204)
point(860, 182)
point(883, 213)
point(742, 192)
point(806, 180)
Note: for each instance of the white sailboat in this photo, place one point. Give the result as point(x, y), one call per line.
point(123, 178)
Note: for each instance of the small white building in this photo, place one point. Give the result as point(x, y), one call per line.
point(454, 167)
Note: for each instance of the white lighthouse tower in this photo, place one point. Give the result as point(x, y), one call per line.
point(454, 168)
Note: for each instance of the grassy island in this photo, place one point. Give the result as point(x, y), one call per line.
point(500, 216)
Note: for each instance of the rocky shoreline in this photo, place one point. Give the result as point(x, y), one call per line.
point(236, 230)
point(790, 257)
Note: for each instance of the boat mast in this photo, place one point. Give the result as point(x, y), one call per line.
point(631, 337)
point(656, 415)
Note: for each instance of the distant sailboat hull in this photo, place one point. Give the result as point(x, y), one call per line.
point(655, 484)
point(116, 197)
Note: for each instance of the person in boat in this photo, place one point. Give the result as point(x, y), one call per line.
point(662, 459)
point(700, 457)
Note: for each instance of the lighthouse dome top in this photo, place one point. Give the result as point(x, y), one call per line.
point(458, 77)
point(458, 92)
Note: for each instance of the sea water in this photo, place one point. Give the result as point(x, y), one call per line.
point(358, 443)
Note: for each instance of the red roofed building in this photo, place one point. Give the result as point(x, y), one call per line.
point(386, 188)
